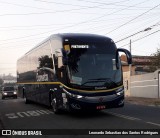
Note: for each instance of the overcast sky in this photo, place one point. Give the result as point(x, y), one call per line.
point(25, 23)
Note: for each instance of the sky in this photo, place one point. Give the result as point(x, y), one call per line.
point(26, 23)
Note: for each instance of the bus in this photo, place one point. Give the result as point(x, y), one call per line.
point(73, 72)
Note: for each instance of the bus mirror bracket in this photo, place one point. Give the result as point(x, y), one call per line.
point(62, 53)
point(65, 59)
point(128, 55)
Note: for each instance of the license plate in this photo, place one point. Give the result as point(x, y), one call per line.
point(100, 107)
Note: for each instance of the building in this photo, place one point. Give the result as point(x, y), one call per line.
point(140, 64)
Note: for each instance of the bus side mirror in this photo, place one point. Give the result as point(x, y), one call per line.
point(128, 54)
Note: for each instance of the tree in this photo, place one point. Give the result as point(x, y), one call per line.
point(155, 61)
point(45, 61)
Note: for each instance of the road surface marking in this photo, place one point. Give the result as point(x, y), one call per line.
point(144, 81)
point(144, 86)
point(123, 116)
point(30, 113)
point(153, 123)
point(132, 118)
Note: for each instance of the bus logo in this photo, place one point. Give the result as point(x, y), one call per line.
point(42, 77)
point(101, 99)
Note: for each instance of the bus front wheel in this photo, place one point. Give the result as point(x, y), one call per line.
point(55, 108)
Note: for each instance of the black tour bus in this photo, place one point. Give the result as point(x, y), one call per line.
point(73, 71)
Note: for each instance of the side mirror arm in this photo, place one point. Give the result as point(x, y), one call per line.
point(128, 54)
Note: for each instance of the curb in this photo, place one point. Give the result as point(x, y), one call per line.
point(150, 105)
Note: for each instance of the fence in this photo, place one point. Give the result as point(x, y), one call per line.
point(146, 85)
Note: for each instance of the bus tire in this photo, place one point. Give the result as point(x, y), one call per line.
point(27, 101)
point(50, 99)
point(55, 106)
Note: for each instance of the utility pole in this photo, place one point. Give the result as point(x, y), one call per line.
point(130, 49)
point(130, 67)
point(130, 46)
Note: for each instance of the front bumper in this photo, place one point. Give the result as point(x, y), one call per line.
point(96, 102)
point(9, 95)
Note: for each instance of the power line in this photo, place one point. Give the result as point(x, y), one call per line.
point(146, 36)
point(38, 26)
point(47, 26)
point(20, 45)
point(39, 13)
point(26, 6)
point(134, 34)
point(142, 22)
point(99, 6)
point(127, 8)
point(134, 19)
point(146, 29)
point(115, 22)
point(115, 4)
point(50, 12)
point(59, 3)
point(21, 5)
point(55, 24)
point(112, 3)
point(66, 27)
point(83, 22)
point(141, 38)
point(104, 3)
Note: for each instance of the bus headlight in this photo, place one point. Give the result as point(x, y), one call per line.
point(73, 95)
point(120, 91)
point(79, 96)
point(5, 93)
point(76, 96)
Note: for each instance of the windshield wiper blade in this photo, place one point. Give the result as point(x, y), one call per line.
point(101, 79)
point(107, 81)
point(93, 81)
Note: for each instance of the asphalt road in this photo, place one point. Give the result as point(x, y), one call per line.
point(15, 114)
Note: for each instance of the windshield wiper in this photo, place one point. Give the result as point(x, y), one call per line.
point(93, 81)
point(108, 82)
point(101, 79)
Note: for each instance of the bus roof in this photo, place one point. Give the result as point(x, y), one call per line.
point(79, 35)
point(65, 36)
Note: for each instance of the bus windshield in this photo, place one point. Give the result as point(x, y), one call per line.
point(94, 65)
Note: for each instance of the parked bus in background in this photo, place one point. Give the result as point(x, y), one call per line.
point(74, 72)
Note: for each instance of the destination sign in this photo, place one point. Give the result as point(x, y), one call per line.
point(79, 46)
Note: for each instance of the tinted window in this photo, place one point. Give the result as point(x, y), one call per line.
point(8, 88)
point(93, 64)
